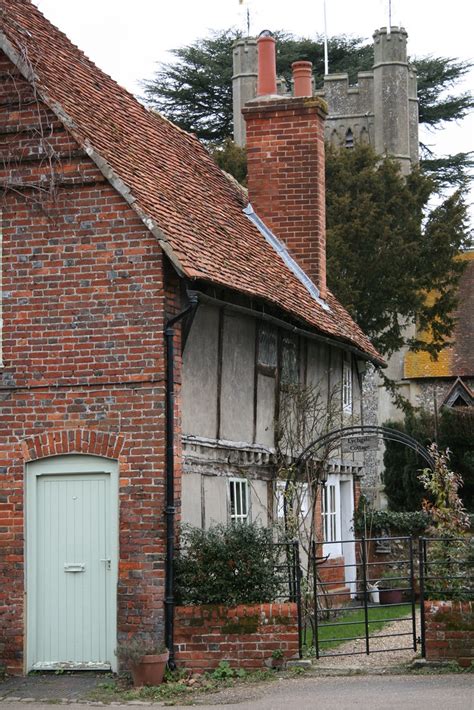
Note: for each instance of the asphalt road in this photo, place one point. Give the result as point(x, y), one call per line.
point(446, 692)
point(443, 692)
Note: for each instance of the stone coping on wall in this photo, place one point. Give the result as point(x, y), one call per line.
point(246, 636)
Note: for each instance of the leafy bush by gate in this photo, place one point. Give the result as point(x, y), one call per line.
point(371, 522)
point(228, 564)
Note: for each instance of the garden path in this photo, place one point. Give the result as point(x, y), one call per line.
point(386, 657)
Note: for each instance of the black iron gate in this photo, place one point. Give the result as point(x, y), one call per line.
point(353, 601)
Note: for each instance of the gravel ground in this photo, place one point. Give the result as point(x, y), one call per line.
point(378, 642)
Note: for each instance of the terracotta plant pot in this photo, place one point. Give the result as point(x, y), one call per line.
point(150, 670)
point(391, 596)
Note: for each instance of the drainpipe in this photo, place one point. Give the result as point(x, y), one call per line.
point(170, 507)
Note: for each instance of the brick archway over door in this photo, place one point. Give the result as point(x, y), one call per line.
point(73, 441)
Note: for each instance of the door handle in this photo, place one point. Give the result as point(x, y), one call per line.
point(108, 562)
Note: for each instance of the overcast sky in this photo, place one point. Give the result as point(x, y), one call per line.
point(126, 38)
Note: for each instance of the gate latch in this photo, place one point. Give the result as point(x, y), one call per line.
point(108, 562)
point(74, 567)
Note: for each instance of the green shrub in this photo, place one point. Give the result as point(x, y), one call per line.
point(228, 564)
point(449, 569)
point(378, 522)
point(401, 464)
point(455, 432)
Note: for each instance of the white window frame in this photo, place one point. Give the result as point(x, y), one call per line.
point(329, 513)
point(239, 490)
point(331, 519)
point(347, 383)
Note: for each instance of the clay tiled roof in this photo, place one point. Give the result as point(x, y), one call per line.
point(457, 359)
point(165, 173)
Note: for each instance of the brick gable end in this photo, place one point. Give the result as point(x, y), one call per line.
point(83, 310)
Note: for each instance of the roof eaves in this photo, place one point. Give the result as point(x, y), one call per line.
point(292, 324)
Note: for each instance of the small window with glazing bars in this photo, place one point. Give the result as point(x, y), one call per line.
point(329, 513)
point(238, 497)
point(347, 384)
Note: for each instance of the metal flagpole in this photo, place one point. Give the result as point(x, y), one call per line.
point(246, 4)
point(326, 54)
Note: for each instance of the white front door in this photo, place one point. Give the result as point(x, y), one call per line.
point(347, 533)
point(338, 516)
point(71, 563)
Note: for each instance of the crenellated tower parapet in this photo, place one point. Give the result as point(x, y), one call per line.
point(393, 83)
point(244, 82)
point(380, 109)
point(351, 113)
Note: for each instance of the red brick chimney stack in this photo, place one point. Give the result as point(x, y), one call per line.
point(285, 153)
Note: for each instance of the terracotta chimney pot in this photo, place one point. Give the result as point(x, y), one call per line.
point(302, 75)
point(267, 84)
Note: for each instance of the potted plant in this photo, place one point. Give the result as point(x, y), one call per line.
point(146, 660)
point(391, 586)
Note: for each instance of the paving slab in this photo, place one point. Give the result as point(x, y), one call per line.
point(51, 686)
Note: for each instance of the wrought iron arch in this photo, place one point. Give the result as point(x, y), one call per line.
point(354, 432)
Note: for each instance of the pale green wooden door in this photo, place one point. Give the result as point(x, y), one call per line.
point(72, 575)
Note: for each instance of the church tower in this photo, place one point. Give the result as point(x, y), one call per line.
point(381, 109)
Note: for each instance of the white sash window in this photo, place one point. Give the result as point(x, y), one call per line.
point(329, 512)
point(347, 384)
point(239, 500)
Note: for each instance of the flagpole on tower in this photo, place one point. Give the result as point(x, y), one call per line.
point(246, 3)
point(326, 53)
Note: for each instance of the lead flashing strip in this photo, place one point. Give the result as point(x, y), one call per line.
point(284, 255)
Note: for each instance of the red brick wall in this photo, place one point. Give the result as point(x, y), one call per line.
point(285, 156)
point(83, 310)
point(450, 631)
point(245, 636)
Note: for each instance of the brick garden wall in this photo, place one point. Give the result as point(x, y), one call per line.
point(245, 636)
point(450, 631)
point(83, 309)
